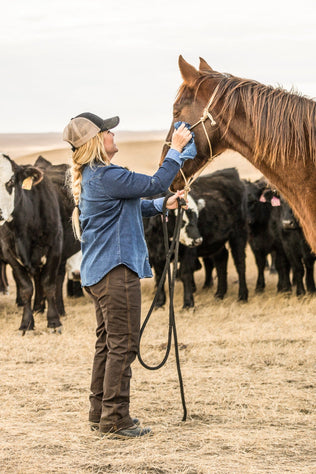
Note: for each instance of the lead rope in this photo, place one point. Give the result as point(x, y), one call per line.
point(174, 249)
point(170, 251)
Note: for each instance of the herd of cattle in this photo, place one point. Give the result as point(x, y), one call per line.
point(224, 209)
point(37, 241)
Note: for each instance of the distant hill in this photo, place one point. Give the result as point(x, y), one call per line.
point(21, 144)
point(140, 151)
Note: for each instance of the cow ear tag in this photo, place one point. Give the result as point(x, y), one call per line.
point(28, 183)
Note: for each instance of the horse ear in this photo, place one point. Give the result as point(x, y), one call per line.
point(204, 66)
point(188, 72)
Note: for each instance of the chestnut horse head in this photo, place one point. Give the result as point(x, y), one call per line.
point(274, 129)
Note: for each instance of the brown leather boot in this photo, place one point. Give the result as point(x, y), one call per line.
point(95, 426)
point(128, 433)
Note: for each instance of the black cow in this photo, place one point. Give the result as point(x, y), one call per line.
point(265, 233)
point(58, 175)
point(216, 215)
point(155, 243)
point(297, 250)
point(31, 234)
point(221, 200)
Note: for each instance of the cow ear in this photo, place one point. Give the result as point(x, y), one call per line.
point(188, 72)
point(204, 66)
point(41, 162)
point(31, 176)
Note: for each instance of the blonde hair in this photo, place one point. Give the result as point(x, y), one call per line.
point(91, 153)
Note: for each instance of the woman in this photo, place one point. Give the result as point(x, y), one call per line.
point(115, 257)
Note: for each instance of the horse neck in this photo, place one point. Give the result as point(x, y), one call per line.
point(295, 180)
point(235, 134)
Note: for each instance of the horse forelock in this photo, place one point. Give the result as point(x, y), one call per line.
point(182, 92)
point(185, 91)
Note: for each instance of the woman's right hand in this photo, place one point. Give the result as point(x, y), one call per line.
point(180, 138)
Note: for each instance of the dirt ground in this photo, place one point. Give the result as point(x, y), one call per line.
point(248, 371)
point(249, 379)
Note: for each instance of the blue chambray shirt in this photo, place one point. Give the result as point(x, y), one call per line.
point(111, 214)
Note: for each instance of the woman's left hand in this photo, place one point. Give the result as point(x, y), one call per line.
point(172, 202)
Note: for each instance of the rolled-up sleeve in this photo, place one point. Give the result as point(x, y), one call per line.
point(148, 207)
point(151, 207)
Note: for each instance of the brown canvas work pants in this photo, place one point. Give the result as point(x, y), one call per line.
point(117, 300)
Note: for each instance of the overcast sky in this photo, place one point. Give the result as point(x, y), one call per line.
point(63, 57)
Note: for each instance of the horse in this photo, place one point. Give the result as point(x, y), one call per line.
point(272, 128)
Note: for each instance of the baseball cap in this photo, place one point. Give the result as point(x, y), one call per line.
point(85, 126)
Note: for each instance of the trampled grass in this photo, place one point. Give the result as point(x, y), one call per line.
point(249, 379)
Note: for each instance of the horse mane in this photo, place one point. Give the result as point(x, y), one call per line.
point(284, 123)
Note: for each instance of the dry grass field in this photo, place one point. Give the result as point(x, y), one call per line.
point(248, 370)
point(249, 378)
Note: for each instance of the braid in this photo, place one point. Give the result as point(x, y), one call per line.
point(76, 176)
point(76, 181)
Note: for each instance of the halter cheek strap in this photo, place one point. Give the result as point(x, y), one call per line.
point(206, 113)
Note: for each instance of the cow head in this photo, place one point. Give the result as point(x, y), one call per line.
point(253, 201)
point(189, 233)
point(288, 220)
point(13, 179)
point(258, 207)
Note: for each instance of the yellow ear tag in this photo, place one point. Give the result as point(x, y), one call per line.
point(28, 183)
